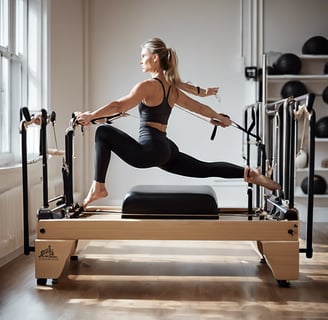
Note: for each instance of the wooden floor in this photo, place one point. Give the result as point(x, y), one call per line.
point(168, 280)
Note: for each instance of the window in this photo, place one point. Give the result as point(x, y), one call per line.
point(23, 61)
point(4, 78)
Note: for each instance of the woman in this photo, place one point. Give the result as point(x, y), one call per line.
point(155, 99)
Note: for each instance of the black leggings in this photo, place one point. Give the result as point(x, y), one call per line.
point(154, 149)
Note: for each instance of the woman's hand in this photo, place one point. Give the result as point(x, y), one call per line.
point(211, 91)
point(221, 120)
point(83, 118)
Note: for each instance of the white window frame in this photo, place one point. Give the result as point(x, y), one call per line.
point(27, 83)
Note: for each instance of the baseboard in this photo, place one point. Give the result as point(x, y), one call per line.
point(11, 256)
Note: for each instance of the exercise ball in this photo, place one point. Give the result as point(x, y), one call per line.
point(325, 95)
point(288, 63)
point(325, 68)
point(315, 45)
point(271, 70)
point(321, 128)
point(319, 185)
point(293, 88)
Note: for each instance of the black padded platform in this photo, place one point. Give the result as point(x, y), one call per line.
point(170, 202)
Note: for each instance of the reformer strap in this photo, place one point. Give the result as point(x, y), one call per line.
point(109, 119)
point(238, 126)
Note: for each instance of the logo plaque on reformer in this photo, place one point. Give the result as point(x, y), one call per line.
point(48, 254)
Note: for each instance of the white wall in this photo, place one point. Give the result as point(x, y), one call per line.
point(67, 75)
point(207, 37)
point(289, 23)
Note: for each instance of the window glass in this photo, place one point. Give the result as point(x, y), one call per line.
point(21, 70)
point(4, 23)
point(4, 103)
point(20, 30)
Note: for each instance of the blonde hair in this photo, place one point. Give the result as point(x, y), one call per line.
point(167, 58)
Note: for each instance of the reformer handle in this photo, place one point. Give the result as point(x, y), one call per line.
point(310, 101)
point(53, 117)
point(214, 132)
point(238, 126)
point(216, 127)
point(109, 119)
point(26, 114)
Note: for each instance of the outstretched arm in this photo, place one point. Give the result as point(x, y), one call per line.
point(192, 105)
point(196, 90)
point(137, 94)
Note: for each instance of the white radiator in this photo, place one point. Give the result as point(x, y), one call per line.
point(11, 217)
point(11, 226)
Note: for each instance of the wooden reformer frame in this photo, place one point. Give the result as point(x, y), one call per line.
point(277, 231)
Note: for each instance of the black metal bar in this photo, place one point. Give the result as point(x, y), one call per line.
point(248, 155)
point(67, 169)
point(287, 148)
point(44, 154)
point(281, 147)
point(292, 152)
point(24, 112)
point(25, 189)
point(257, 128)
point(309, 233)
point(270, 138)
point(253, 110)
point(309, 101)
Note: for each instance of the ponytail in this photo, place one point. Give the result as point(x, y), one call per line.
point(172, 73)
point(167, 57)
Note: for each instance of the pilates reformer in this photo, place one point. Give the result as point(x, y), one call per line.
point(183, 212)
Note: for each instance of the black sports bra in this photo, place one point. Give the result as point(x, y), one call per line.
point(160, 113)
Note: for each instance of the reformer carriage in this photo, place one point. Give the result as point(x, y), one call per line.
point(184, 212)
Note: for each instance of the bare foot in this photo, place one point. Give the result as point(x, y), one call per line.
point(256, 177)
point(97, 191)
